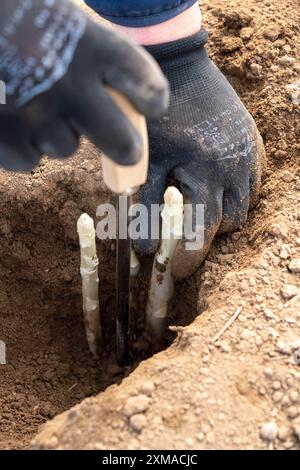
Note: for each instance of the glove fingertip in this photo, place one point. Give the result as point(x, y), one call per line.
point(125, 151)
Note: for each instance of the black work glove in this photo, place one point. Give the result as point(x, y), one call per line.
point(55, 63)
point(208, 142)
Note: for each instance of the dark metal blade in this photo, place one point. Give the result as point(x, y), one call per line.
point(123, 283)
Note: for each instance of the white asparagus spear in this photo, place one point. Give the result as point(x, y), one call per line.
point(162, 284)
point(90, 280)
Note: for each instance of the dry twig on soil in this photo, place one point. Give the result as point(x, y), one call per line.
point(227, 325)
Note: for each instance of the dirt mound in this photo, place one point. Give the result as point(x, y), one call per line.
point(197, 393)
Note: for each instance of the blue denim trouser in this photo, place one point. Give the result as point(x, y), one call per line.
point(137, 13)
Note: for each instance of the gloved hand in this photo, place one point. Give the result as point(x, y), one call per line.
point(55, 63)
point(208, 142)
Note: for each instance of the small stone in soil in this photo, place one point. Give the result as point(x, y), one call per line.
point(148, 388)
point(246, 33)
point(236, 236)
point(295, 345)
point(189, 442)
point(276, 385)
point(224, 346)
point(285, 252)
point(287, 177)
point(294, 265)
point(200, 437)
point(270, 34)
point(277, 396)
point(294, 396)
point(268, 372)
point(269, 431)
point(292, 412)
point(135, 405)
point(286, 60)
point(138, 422)
point(288, 291)
point(283, 347)
point(268, 313)
point(293, 90)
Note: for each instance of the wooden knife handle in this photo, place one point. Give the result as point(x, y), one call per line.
point(119, 178)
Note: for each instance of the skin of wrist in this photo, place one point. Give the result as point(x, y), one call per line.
point(183, 25)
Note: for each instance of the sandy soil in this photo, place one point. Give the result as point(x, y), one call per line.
point(197, 393)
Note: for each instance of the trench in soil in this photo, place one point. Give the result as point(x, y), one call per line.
point(49, 367)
